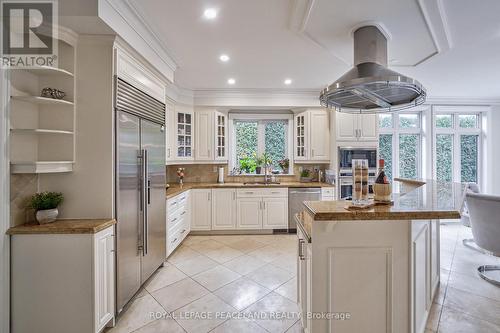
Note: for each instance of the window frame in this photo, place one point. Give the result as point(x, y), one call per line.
point(456, 131)
point(261, 119)
point(396, 130)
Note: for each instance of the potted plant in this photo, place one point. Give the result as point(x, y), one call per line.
point(284, 165)
point(247, 164)
point(46, 204)
point(305, 175)
point(259, 161)
point(267, 162)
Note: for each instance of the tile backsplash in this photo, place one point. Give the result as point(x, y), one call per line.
point(207, 173)
point(22, 187)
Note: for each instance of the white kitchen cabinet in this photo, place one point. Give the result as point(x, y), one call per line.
point(275, 213)
point(71, 281)
point(249, 212)
point(223, 209)
point(220, 149)
point(421, 265)
point(327, 193)
point(312, 136)
point(319, 135)
point(201, 215)
point(204, 124)
point(304, 270)
point(180, 133)
point(178, 220)
point(104, 275)
point(356, 127)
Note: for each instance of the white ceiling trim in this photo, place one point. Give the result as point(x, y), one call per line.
point(433, 12)
point(120, 13)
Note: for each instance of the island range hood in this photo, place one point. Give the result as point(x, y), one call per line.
point(370, 87)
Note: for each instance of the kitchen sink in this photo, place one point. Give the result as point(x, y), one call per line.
point(261, 183)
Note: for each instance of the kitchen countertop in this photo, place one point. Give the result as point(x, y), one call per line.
point(72, 226)
point(413, 200)
point(176, 189)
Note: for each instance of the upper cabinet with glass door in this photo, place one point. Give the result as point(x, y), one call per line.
point(220, 136)
point(180, 133)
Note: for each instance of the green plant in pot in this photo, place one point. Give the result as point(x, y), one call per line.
point(247, 164)
point(259, 162)
point(45, 204)
point(305, 175)
point(284, 165)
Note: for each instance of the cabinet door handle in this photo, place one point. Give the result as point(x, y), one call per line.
point(168, 152)
point(209, 196)
point(301, 254)
point(234, 195)
point(263, 205)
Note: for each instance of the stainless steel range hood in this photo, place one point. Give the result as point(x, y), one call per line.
point(370, 87)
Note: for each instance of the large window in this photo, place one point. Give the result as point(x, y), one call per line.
point(257, 135)
point(457, 147)
point(400, 144)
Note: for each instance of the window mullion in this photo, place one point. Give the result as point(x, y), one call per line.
point(261, 141)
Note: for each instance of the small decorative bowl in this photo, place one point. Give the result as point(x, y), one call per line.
point(382, 192)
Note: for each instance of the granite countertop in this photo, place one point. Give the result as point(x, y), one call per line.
point(413, 200)
point(71, 226)
point(176, 189)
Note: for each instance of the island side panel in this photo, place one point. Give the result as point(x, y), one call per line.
point(361, 268)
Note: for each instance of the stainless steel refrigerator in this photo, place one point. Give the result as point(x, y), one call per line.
point(140, 189)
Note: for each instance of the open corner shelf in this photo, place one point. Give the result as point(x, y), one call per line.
point(39, 131)
point(47, 70)
point(41, 167)
point(42, 100)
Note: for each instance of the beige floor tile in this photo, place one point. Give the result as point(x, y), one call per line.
point(474, 285)
point(433, 319)
point(181, 254)
point(287, 261)
point(196, 265)
point(244, 264)
point(216, 277)
point(190, 240)
point(223, 254)
point(179, 294)
point(242, 293)
point(476, 306)
point(246, 245)
point(288, 290)
point(267, 253)
point(161, 326)
point(137, 314)
point(266, 239)
point(275, 304)
point(270, 276)
point(164, 277)
point(239, 326)
point(206, 245)
point(458, 322)
point(207, 311)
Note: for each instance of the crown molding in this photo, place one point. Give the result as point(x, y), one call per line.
point(125, 20)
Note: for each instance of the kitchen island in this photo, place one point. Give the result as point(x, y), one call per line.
point(373, 270)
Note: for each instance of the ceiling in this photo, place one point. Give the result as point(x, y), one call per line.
point(451, 46)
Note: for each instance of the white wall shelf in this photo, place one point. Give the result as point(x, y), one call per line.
point(41, 167)
point(47, 70)
point(42, 135)
point(42, 100)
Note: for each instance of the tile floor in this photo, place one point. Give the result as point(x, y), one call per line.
point(244, 274)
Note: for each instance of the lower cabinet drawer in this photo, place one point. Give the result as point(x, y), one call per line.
point(262, 192)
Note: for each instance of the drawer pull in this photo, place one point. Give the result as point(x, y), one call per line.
point(183, 231)
point(301, 254)
point(175, 219)
point(175, 240)
point(275, 192)
point(183, 213)
point(248, 192)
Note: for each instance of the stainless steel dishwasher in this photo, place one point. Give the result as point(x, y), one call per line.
point(296, 198)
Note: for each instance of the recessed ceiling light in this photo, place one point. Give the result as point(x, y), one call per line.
point(288, 81)
point(224, 57)
point(210, 13)
point(231, 81)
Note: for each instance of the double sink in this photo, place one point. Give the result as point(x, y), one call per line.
point(260, 183)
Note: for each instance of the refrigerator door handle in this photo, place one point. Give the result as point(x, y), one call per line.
point(145, 199)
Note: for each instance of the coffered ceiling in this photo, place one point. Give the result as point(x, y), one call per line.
point(451, 46)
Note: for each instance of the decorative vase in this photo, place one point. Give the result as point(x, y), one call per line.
point(47, 215)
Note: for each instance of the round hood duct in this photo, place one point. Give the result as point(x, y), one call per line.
point(370, 87)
